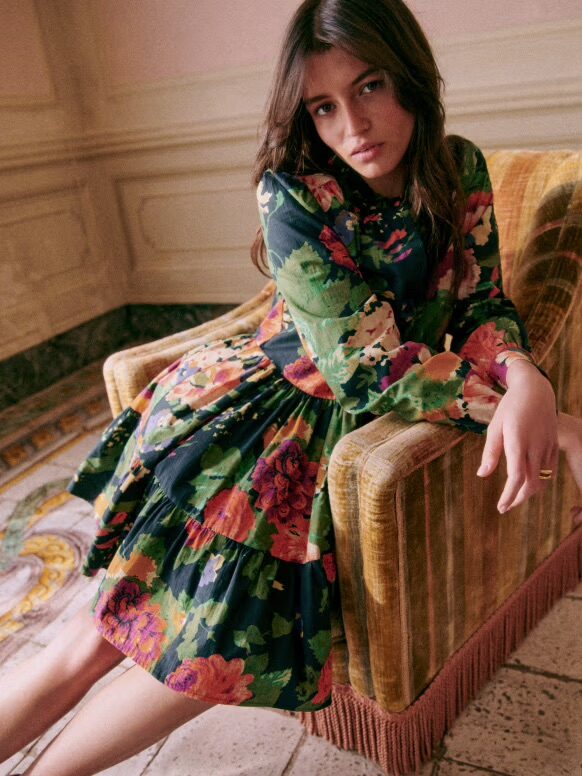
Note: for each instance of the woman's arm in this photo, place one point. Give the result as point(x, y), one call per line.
point(350, 331)
point(487, 329)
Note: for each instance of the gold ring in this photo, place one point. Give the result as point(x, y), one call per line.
point(545, 474)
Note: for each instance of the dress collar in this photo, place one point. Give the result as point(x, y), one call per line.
point(356, 188)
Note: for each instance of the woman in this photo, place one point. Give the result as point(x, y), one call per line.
point(211, 489)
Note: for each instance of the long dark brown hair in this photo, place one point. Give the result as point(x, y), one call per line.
point(385, 34)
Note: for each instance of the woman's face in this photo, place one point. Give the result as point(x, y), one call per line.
point(357, 115)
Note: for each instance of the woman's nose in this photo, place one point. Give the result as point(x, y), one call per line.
point(356, 122)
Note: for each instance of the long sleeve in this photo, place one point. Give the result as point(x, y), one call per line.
point(348, 330)
point(485, 325)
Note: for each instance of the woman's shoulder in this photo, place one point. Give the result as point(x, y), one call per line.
point(471, 163)
point(314, 192)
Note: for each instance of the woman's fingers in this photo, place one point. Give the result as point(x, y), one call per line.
point(516, 476)
point(492, 449)
point(532, 484)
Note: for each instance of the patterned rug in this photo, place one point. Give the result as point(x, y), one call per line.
point(44, 531)
point(44, 422)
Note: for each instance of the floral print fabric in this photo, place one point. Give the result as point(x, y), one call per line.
point(211, 489)
point(352, 272)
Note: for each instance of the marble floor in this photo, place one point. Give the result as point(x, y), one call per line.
point(526, 722)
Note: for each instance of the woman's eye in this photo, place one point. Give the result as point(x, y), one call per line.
point(372, 86)
point(321, 110)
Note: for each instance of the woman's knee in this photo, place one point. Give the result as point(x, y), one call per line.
point(79, 647)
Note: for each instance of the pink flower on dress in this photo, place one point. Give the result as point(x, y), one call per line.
point(477, 205)
point(128, 619)
point(481, 398)
point(443, 278)
point(212, 678)
point(483, 345)
point(376, 331)
point(408, 355)
point(285, 482)
point(471, 275)
point(339, 253)
point(324, 188)
point(229, 513)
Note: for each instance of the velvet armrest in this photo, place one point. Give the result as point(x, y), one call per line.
point(128, 371)
point(424, 557)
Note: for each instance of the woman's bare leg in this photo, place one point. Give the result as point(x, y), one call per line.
point(39, 691)
point(129, 714)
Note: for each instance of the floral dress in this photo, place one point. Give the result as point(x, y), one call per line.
point(211, 489)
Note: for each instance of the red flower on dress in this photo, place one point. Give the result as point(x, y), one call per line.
point(272, 324)
point(324, 684)
point(199, 535)
point(483, 345)
point(306, 376)
point(339, 253)
point(229, 513)
point(285, 482)
point(329, 566)
point(212, 678)
point(290, 541)
point(495, 275)
point(396, 236)
point(324, 188)
point(477, 204)
point(128, 619)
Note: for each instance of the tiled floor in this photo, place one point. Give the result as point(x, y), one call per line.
point(527, 722)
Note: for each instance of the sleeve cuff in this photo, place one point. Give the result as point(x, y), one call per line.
point(502, 361)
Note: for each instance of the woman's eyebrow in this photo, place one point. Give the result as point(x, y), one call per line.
point(359, 78)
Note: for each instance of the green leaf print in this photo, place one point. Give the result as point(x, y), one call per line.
point(261, 579)
point(267, 688)
point(212, 612)
point(152, 547)
point(218, 460)
point(306, 198)
point(245, 639)
point(261, 536)
point(256, 664)
point(308, 688)
point(321, 645)
point(281, 626)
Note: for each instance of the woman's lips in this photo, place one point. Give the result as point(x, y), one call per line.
point(369, 153)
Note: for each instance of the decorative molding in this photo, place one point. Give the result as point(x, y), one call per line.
point(174, 227)
point(486, 90)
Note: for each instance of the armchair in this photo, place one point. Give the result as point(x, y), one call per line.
point(437, 588)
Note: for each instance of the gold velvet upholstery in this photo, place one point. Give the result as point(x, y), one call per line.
point(424, 558)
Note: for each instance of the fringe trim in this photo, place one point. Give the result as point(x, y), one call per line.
point(401, 742)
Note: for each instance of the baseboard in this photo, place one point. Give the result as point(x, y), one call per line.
point(36, 368)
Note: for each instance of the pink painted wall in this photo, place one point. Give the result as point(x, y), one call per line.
point(145, 41)
point(22, 61)
point(148, 40)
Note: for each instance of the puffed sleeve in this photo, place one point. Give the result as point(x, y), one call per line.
point(485, 325)
point(348, 330)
